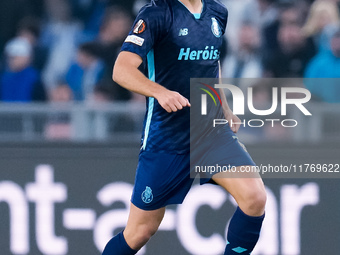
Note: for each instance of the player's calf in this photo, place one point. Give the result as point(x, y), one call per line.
point(118, 246)
point(243, 233)
point(245, 225)
point(141, 226)
point(130, 241)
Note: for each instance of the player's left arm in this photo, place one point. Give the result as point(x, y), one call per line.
point(233, 120)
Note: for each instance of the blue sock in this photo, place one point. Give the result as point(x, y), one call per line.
point(243, 233)
point(118, 246)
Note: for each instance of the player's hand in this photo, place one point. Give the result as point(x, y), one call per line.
point(233, 120)
point(172, 101)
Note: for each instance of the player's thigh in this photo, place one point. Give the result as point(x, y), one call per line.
point(247, 189)
point(143, 222)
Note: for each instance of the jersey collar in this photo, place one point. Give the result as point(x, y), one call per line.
point(196, 15)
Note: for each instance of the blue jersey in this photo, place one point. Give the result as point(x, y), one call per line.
point(176, 45)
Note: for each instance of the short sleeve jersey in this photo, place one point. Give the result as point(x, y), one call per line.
point(175, 45)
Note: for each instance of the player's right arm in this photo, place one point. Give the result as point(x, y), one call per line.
point(151, 25)
point(126, 74)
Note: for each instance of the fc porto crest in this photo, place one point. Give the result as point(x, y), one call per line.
point(215, 28)
point(147, 196)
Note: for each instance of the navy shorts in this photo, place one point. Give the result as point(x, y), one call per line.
point(222, 149)
point(163, 179)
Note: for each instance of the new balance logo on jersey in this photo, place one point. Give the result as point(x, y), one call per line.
point(183, 32)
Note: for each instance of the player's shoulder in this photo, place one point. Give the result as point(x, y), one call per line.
point(156, 8)
point(217, 8)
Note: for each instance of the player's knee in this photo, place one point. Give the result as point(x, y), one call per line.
point(256, 202)
point(145, 232)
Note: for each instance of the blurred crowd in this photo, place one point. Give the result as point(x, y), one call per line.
point(285, 39)
point(64, 50)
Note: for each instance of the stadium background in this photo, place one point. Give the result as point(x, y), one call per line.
point(69, 146)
